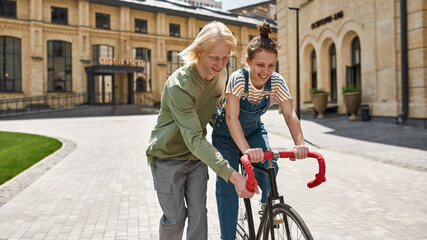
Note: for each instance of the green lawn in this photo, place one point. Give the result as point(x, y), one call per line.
point(19, 151)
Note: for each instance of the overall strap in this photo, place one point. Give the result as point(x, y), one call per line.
point(246, 74)
point(267, 86)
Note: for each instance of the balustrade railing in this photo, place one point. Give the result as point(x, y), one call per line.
point(25, 105)
point(49, 103)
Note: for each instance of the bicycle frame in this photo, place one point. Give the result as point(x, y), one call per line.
point(251, 183)
point(273, 195)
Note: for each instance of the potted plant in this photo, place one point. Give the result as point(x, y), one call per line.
point(352, 100)
point(320, 101)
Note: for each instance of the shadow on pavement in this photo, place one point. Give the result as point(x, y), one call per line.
point(373, 131)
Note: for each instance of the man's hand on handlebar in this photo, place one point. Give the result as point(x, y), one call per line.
point(239, 182)
point(300, 152)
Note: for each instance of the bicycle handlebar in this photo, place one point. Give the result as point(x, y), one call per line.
point(251, 183)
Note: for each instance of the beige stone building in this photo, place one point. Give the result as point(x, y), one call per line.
point(109, 51)
point(357, 42)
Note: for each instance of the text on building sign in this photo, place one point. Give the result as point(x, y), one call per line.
point(116, 61)
point(326, 20)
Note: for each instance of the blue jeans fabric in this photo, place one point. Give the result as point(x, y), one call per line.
point(256, 135)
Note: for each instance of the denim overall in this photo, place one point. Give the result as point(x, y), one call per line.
point(256, 135)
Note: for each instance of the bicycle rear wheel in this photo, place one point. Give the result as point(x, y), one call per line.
point(288, 224)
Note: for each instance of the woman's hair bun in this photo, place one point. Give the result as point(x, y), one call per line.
point(264, 29)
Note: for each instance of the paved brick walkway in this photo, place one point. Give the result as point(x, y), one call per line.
point(101, 187)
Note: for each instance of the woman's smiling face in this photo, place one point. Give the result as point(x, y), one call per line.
point(262, 66)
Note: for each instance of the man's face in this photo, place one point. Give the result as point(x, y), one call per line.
point(213, 59)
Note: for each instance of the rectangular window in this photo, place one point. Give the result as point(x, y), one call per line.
point(143, 79)
point(103, 20)
point(174, 30)
point(8, 8)
point(10, 64)
point(59, 15)
point(140, 26)
point(59, 67)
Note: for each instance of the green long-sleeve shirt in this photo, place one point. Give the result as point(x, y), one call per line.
point(188, 102)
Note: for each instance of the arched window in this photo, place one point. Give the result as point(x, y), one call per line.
point(143, 79)
point(59, 66)
point(354, 77)
point(356, 62)
point(355, 51)
point(313, 70)
point(174, 62)
point(333, 69)
point(10, 64)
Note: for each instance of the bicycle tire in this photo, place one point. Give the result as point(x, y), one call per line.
point(242, 228)
point(283, 212)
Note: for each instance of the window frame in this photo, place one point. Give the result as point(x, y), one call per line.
point(8, 9)
point(138, 53)
point(313, 69)
point(174, 30)
point(333, 72)
point(59, 19)
point(143, 28)
point(53, 63)
point(356, 61)
point(16, 66)
point(104, 20)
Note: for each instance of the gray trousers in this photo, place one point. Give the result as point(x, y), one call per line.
point(181, 190)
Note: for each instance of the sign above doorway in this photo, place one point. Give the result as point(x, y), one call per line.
point(117, 61)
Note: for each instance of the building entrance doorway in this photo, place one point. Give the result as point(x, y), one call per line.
point(104, 93)
point(111, 84)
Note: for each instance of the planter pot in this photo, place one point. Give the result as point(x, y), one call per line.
point(320, 101)
point(352, 102)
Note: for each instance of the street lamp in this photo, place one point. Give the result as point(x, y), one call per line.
point(298, 88)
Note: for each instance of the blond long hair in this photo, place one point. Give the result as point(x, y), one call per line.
point(210, 34)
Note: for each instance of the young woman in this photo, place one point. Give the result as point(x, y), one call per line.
point(239, 129)
point(178, 151)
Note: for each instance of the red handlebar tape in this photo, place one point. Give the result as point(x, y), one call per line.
point(251, 183)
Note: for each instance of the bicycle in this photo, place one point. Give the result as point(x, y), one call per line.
point(280, 219)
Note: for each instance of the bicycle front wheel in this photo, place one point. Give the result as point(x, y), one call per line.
point(287, 224)
point(242, 227)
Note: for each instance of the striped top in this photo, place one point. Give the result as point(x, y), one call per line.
point(279, 89)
